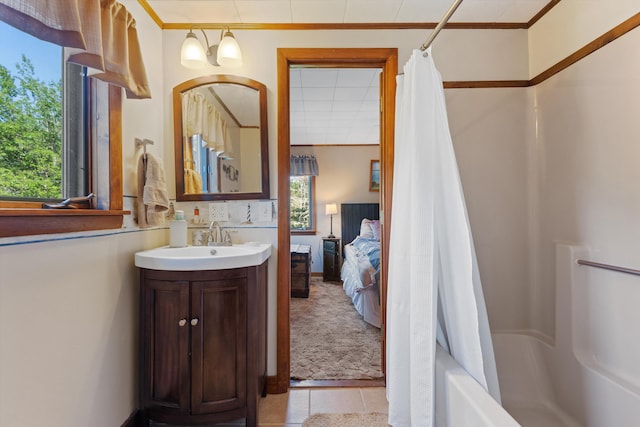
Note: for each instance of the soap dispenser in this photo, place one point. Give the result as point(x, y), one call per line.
point(178, 231)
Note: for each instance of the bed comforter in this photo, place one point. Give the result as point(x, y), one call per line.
point(361, 275)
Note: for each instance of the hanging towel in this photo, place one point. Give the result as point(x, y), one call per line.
point(153, 199)
point(192, 182)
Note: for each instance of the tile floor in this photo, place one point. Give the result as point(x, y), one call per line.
point(292, 408)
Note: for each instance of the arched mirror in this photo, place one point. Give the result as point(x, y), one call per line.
point(221, 142)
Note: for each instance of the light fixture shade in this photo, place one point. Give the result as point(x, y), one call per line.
point(229, 54)
point(331, 209)
point(192, 54)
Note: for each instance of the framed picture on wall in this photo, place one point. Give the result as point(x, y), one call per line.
point(374, 176)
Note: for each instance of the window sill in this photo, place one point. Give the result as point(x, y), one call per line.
point(27, 222)
point(304, 232)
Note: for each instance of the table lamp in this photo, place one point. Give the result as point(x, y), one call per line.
point(331, 209)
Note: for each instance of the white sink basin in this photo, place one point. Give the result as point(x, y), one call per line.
point(193, 258)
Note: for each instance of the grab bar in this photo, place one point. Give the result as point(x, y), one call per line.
point(609, 267)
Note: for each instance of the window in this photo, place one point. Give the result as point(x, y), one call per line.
point(49, 119)
point(43, 145)
point(302, 204)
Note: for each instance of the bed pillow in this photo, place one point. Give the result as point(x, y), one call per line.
point(375, 228)
point(366, 231)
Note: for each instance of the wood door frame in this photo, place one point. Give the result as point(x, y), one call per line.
point(387, 60)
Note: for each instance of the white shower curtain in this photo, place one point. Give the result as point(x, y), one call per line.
point(432, 262)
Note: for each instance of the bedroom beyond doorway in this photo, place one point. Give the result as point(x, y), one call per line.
point(334, 138)
point(385, 60)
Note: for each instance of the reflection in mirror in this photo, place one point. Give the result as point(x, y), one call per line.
point(221, 146)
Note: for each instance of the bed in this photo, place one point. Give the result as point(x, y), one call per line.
point(360, 272)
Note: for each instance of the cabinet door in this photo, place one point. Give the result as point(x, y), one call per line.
point(330, 247)
point(219, 345)
point(164, 316)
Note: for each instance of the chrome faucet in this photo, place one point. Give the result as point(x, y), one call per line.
point(215, 235)
point(214, 227)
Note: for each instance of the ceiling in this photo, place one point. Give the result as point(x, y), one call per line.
point(337, 106)
point(334, 106)
point(341, 11)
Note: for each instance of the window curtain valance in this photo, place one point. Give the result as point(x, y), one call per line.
point(304, 165)
point(200, 117)
point(100, 33)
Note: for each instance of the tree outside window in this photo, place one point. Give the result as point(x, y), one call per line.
point(301, 203)
point(40, 156)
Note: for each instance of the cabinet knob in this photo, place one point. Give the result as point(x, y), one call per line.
point(194, 321)
point(182, 322)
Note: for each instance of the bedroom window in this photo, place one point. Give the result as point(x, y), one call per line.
point(302, 204)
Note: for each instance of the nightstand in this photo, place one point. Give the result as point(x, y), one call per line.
point(331, 259)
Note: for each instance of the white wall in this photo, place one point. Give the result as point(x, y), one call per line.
point(250, 163)
point(586, 167)
point(68, 331)
point(570, 25)
point(489, 132)
point(142, 118)
point(583, 203)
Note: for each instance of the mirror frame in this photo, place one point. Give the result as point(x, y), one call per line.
point(177, 131)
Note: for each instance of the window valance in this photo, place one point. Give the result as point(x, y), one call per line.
point(200, 117)
point(101, 33)
point(304, 165)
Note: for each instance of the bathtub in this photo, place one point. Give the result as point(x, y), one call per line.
point(588, 376)
point(527, 393)
point(461, 402)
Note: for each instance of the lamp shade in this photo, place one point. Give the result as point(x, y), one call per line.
point(192, 54)
point(229, 54)
point(331, 209)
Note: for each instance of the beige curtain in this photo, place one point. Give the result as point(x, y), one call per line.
point(58, 22)
point(200, 117)
point(102, 34)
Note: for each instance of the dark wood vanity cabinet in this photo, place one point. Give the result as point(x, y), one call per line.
point(203, 345)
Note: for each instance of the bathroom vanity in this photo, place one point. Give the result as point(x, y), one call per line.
point(203, 344)
point(203, 310)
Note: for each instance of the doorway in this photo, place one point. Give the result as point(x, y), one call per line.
point(386, 60)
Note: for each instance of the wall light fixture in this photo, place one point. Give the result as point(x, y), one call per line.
point(226, 54)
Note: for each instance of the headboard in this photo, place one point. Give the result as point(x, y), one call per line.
point(352, 215)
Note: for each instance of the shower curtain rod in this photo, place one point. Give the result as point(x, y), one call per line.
point(609, 267)
point(440, 25)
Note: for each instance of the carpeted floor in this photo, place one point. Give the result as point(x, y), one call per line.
point(347, 420)
point(329, 339)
